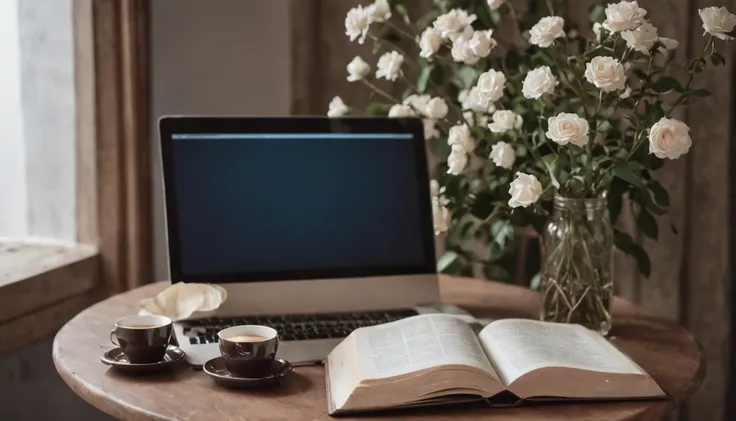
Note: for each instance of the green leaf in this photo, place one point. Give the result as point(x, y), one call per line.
point(699, 93)
point(642, 259)
point(377, 109)
point(615, 199)
point(640, 74)
point(627, 172)
point(423, 78)
point(503, 232)
point(717, 59)
point(449, 262)
point(597, 13)
point(666, 84)
point(660, 193)
point(482, 206)
point(494, 251)
point(647, 224)
point(467, 76)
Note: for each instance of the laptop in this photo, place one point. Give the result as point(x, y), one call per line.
point(314, 226)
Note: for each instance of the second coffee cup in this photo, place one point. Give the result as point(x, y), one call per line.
point(248, 350)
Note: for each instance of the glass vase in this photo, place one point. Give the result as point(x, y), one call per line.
point(577, 264)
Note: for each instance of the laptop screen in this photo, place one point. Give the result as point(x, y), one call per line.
point(272, 205)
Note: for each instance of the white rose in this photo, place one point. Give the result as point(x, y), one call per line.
point(454, 23)
point(401, 110)
point(606, 73)
point(357, 24)
point(475, 119)
point(358, 69)
point(567, 128)
point(495, 4)
point(389, 66)
point(337, 108)
point(436, 108)
point(379, 11)
point(430, 129)
point(461, 51)
point(429, 42)
point(457, 160)
point(668, 44)
point(476, 100)
point(505, 120)
point(623, 16)
point(641, 39)
point(524, 190)
point(626, 93)
point(491, 84)
point(417, 102)
point(482, 43)
point(669, 138)
point(538, 82)
point(597, 28)
point(718, 21)
point(459, 137)
point(503, 155)
point(546, 31)
point(441, 216)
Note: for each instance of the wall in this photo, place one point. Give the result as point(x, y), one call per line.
point(226, 57)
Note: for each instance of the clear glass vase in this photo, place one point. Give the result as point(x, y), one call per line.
point(577, 264)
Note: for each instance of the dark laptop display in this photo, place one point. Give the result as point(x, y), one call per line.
point(256, 203)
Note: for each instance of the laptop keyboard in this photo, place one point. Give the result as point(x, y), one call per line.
point(294, 327)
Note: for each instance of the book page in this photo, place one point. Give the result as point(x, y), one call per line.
point(518, 346)
point(417, 343)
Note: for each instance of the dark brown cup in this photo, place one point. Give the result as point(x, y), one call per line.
point(248, 358)
point(143, 339)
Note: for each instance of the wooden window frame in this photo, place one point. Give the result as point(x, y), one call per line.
point(113, 250)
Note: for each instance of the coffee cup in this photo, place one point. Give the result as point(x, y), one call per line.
point(248, 350)
point(143, 339)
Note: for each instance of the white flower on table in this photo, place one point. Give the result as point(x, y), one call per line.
point(379, 11)
point(358, 69)
point(454, 23)
point(538, 82)
point(476, 100)
point(606, 73)
point(459, 136)
point(436, 108)
point(524, 190)
point(441, 216)
point(461, 51)
point(482, 42)
point(505, 120)
point(430, 129)
point(503, 155)
point(337, 108)
point(389, 66)
point(567, 128)
point(668, 44)
point(357, 24)
point(546, 31)
point(475, 118)
point(457, 160)
point(669, 138)
point(491, 84)
point(495, 4)
point(641, 39)
point(429, 42)
point(718, 21)
point(401, 110)
point(623, 16)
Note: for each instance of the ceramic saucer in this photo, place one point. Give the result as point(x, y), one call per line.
point(116, 358)
point(215, 368)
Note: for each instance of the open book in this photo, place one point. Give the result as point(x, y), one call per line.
point(434, 359)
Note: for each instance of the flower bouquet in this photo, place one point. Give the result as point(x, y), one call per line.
point(539, 125)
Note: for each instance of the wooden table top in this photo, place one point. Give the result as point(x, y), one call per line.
point(665, 350)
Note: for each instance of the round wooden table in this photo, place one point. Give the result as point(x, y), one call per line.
point(665, 350)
